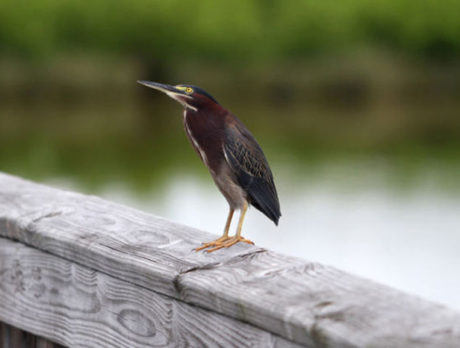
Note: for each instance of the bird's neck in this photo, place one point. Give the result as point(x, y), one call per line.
point(206, 121)
point(206, 110)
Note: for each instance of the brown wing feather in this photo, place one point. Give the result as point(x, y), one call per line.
point(252, 171)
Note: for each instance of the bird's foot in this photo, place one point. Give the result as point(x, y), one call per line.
point(228, 243)
point(214, 243)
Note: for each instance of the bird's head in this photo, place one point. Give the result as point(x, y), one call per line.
point(189, 96)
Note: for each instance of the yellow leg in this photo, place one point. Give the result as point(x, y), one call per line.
point(241, 220)
point(237, 238)
point(224, 237)
point(228, 223)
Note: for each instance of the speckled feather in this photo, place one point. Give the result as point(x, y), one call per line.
point(251, 169)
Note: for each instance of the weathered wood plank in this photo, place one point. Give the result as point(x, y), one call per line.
point(13, 337)
point(299, 300)
point(81, 307)
point(44, 343)
point(30, 340)
point(16, 337)
point(4, 339)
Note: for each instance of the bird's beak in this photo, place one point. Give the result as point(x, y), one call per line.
point(161, 87)
point(175, 93)
point(171, 91)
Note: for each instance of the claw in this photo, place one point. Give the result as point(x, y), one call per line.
point(214, 243)
point(229, 242)
point(225, 241)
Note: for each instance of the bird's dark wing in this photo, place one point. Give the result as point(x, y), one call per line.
point(246, 159)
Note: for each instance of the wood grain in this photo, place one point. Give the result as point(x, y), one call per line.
point(302, 301)
point(80, 307)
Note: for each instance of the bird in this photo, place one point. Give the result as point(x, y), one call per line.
point(232, 155)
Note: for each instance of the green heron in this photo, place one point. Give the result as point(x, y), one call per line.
point(234, 158)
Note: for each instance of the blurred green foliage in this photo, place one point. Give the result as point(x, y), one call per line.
point(230, 30)
point(314, 80)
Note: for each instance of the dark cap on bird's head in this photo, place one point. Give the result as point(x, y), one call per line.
point(190, 96)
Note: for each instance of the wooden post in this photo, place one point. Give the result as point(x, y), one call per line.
point(12, 337)
point(82, 271)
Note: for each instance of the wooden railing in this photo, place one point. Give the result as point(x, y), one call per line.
point(84, 272)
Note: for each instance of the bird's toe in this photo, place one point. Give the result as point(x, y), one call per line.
point(228, 243)
point(215, 243)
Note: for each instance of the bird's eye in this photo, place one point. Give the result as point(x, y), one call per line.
point(189, 90)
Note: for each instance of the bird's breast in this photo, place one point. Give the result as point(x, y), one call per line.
point(205, 135)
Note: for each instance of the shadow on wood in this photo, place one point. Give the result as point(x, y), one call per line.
point(12, 337)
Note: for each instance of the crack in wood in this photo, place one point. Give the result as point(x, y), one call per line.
point(47, 216)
